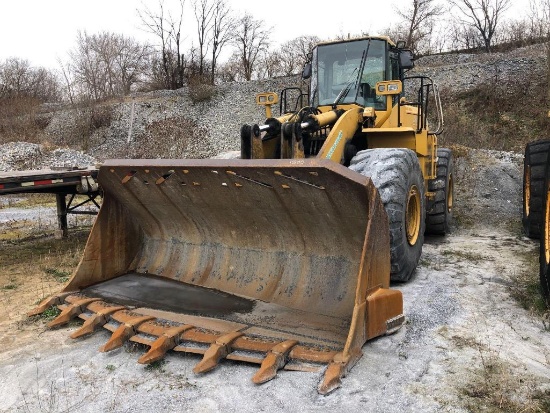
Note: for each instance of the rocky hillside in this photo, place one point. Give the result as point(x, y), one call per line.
point(201, 123)
point(460, 72)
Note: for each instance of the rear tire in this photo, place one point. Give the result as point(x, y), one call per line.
point(439, 211)
point(544, 257)
point(534, 164)
point(397, 176)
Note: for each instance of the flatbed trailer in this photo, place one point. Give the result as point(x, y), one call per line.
point(63, 183)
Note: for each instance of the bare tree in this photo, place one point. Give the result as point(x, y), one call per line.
point(131, 61)
point(22, 89)
point(204, 13)
point(168, 30)
point(517, 32)
point(294, 54)
point(18, 79)
point(483, 16)
point(67, 78)
point(250, 39)
point(86, 68)
point(231, 70)
point(419, 21)
point(438, 40)
point(539, 16)
point(462, 36)
point(105, 64)
point(222, 29)
point(270, 65)
point(348, 35)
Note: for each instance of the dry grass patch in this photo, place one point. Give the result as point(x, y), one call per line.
point(33, 269)
point(495, 387)
point(499, 115)
point(525, 288)
point(489, 384)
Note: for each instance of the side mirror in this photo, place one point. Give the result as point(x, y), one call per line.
point(406, 59)
point(306, 72)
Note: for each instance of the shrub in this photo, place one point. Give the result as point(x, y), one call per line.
point(86, 121)
point(20, 119)
point(168, 138)
point(200, 89)
point(101, 116)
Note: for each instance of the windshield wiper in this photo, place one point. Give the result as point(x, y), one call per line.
point(361, 68)
point(344, 92)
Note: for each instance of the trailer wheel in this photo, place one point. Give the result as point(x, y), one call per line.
point(534, 164)
point(397, 176)
point(439, 211)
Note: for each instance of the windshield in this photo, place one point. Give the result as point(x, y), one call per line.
point(347, 73)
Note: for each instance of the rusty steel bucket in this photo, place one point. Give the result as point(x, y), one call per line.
point(284, 263)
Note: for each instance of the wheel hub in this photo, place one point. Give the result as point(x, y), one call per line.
point(450, 194)
point(413, 215)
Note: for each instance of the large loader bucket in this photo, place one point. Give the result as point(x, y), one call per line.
point(284, 263)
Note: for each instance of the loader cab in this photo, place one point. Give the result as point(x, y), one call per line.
point(344, 73)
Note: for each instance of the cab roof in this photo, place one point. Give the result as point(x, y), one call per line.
point(384, 38)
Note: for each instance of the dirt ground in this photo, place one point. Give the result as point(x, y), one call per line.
point(477, 337)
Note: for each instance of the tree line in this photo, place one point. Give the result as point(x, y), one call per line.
point(432, 26)
point(103, 65)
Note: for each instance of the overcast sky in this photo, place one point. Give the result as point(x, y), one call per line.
point(43, 31)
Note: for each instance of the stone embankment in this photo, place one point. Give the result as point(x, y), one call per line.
point(171, 124)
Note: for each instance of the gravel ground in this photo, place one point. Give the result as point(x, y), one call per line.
point(466, 340)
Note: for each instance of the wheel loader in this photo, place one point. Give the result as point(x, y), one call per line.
point(282, 258)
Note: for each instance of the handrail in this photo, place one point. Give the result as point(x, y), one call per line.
point(426, 85)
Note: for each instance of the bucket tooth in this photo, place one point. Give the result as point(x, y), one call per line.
point(71, 311)
point(123, 333)
point(167, 341)
point(218, 350)
point(275, 359)
point(332, 378)
point(337, 368)
point(47, 303)
point(98, 319)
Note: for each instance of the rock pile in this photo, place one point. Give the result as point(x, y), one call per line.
point(17, 156)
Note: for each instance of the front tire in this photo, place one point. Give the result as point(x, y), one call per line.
point(397, 176)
